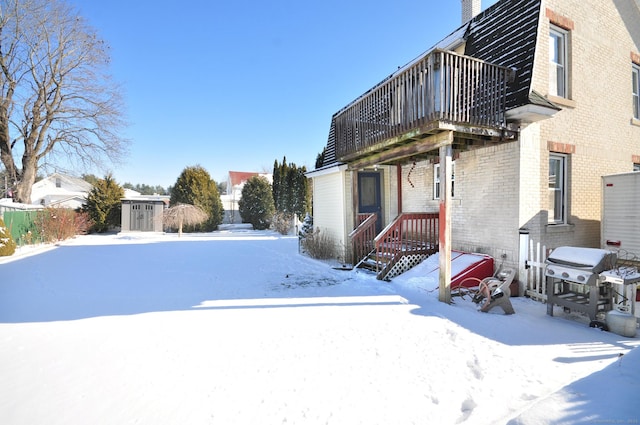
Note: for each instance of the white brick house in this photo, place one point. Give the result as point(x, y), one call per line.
point(569, 116)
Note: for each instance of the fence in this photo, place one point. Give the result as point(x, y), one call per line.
point(21, 225)
point(534, 271)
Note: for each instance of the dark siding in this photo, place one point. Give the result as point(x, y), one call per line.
point(505, 34)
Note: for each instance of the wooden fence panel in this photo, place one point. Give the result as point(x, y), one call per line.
point(536, 287)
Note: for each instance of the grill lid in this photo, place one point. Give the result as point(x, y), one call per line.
point(589, 259)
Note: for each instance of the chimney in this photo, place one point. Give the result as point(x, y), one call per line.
point(470, 8)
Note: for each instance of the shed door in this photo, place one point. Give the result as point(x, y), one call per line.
point(369, 196)
point(142, 217)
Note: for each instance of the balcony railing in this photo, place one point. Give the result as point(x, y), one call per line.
point(439, 86)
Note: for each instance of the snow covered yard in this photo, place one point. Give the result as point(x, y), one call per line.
point(235, 327)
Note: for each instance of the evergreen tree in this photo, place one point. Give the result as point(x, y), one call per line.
point(90, 178)
point(195, 186)
point(290, 189)
point(291, 182)
point(276, 185)
point(300, 190)
point(104, 204)
point(256, 204)
point(320, 158)
point(222, 188)
point(145, 189)
point(307, 226)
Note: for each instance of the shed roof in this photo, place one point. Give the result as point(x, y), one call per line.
point(148, 198)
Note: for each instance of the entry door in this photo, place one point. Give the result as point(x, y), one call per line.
point(369, 196)
point(142, 217)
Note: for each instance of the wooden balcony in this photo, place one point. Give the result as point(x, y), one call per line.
point(440, 91)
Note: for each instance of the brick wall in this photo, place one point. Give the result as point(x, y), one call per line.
point(595, 127)
point(503, 188)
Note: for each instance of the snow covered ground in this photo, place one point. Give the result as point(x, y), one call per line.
point(235, 327)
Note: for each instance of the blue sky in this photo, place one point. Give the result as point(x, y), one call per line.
point(235, 85)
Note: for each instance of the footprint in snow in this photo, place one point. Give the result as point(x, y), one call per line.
point(475, 368)
point(466, 408)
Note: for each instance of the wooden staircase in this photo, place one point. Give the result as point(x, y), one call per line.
point(369, 262)
point(404, 243)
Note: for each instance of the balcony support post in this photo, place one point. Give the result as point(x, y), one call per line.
point(444, 234)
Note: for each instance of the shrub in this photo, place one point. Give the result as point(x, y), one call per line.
point(319, 245)
point(256, 204)
point(307, 226)
point(82, 223)
point(104, 204)
point(181, 215)
point(57, 224)
point(7, 244)
point(281, 222)
point(195, 186)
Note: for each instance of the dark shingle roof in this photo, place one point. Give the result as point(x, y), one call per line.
point(330, 151)
point(505, 34)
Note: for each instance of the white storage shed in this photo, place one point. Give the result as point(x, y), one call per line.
point(143, 213)
point(620, 226)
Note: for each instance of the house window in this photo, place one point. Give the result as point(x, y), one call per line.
point(636, 167)
point(558, 62)
point(635, 79)
point(557, 189)
point(58, 182)
point(436, 180)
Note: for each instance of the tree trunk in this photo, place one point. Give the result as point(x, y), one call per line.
point(6, 147)
point(23, 188)
point(56, 93)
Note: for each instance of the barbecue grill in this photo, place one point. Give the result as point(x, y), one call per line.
point(572, 279)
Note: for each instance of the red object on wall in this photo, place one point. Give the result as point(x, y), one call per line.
point(467, 269)
point(475, 267)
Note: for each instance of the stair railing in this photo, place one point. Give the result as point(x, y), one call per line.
point(409, 233)
point(362, 236)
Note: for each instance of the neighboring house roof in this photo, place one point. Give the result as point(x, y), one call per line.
point(237, 179)
point(60, 189)
point(130, 193)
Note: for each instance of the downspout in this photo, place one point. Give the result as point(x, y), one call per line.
point(523, 275)
point(399, 177)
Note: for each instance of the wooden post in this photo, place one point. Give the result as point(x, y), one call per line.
point(444, 234)
point(354, 212)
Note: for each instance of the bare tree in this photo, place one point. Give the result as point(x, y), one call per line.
point(57, 99)
point(183, 214)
